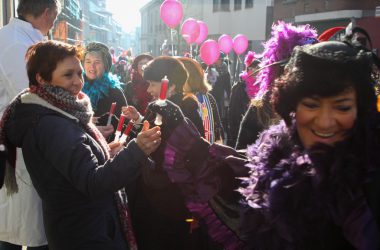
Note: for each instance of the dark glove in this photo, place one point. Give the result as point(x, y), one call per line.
point(171, 114)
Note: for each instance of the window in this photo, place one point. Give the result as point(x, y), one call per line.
point(289, 1)
point(215, 5)
point(248, 4)
point(237, 4)
point(225, 5)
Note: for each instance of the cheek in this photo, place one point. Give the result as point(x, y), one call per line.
point(347, 122)
point(100, 68)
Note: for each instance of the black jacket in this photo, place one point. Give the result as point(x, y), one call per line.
point(239, 102)
point(72, 177)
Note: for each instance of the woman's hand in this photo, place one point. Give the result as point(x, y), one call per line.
point(130, 112)
point(148, 140)
point(106, 131)
point(115, 147)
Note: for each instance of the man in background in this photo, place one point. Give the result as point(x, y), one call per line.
point(20, 210)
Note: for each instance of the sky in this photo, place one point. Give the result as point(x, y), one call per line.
point(126, 12)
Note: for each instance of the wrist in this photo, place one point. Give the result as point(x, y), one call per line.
point(137, 118)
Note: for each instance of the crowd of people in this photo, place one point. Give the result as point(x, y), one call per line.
point(98, 151)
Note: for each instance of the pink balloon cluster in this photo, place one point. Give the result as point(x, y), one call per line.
point(194, 31)
point(171, 13)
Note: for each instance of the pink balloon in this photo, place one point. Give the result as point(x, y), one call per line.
point(240, 44)
point(225, 43)
point(171, 13)
point(190, 27)
point(209, 51)
point(203, 32)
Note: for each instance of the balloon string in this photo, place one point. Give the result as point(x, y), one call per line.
point(228, 65)
point(171, 37)
point(237, 66)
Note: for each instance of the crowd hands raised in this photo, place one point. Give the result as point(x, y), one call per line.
point(307, 177)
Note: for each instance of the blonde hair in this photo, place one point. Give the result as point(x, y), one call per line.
point(196, 82)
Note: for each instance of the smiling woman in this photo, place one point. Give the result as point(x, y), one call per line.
point(309, 182)
point(102, 86)
point(66, 156)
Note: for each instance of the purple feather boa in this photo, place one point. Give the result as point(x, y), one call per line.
point(299, 199)
point(284, 38)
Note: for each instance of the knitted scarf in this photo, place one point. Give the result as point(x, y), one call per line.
point(80, 108)
point(99, 88)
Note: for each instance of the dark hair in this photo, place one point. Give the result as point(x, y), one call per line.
point(139, 58)
point(43, 57)
point(36, 7)
point(168, 66)
point(196, 80)
point(103, 51)
point(324, 69)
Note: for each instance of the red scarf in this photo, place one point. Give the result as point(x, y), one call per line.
point(141, 97)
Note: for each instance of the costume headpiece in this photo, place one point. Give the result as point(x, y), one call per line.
point(250, 58)
point(278, 49)
point(103, 50)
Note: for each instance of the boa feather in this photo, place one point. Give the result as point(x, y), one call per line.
point(250, 88)
point(284, 38)
point(100, 88)
point(301, 199)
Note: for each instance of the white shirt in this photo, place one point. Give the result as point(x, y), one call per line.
point(20, 214)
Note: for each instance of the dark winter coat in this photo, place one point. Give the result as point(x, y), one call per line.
point(256, 119)
point(158, 209)
point(239, 103)
point(75, 182)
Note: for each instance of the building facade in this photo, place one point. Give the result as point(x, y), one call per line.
point(324, 14)
point(251, 18)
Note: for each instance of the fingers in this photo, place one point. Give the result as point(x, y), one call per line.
point(130, 112)
point(115, 148)
point(149, 139)
point(114, 144)
point(145, 126)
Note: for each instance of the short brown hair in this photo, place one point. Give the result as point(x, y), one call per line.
point(168, 66)
point(140, 57)
point(43, 57)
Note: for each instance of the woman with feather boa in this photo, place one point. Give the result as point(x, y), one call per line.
point(309, 182)
point(102, 87)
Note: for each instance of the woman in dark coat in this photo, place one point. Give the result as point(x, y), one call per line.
point(135, 90)
point(242, 93)
point(159, 214)
point(83, 199)
point(311, 181)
